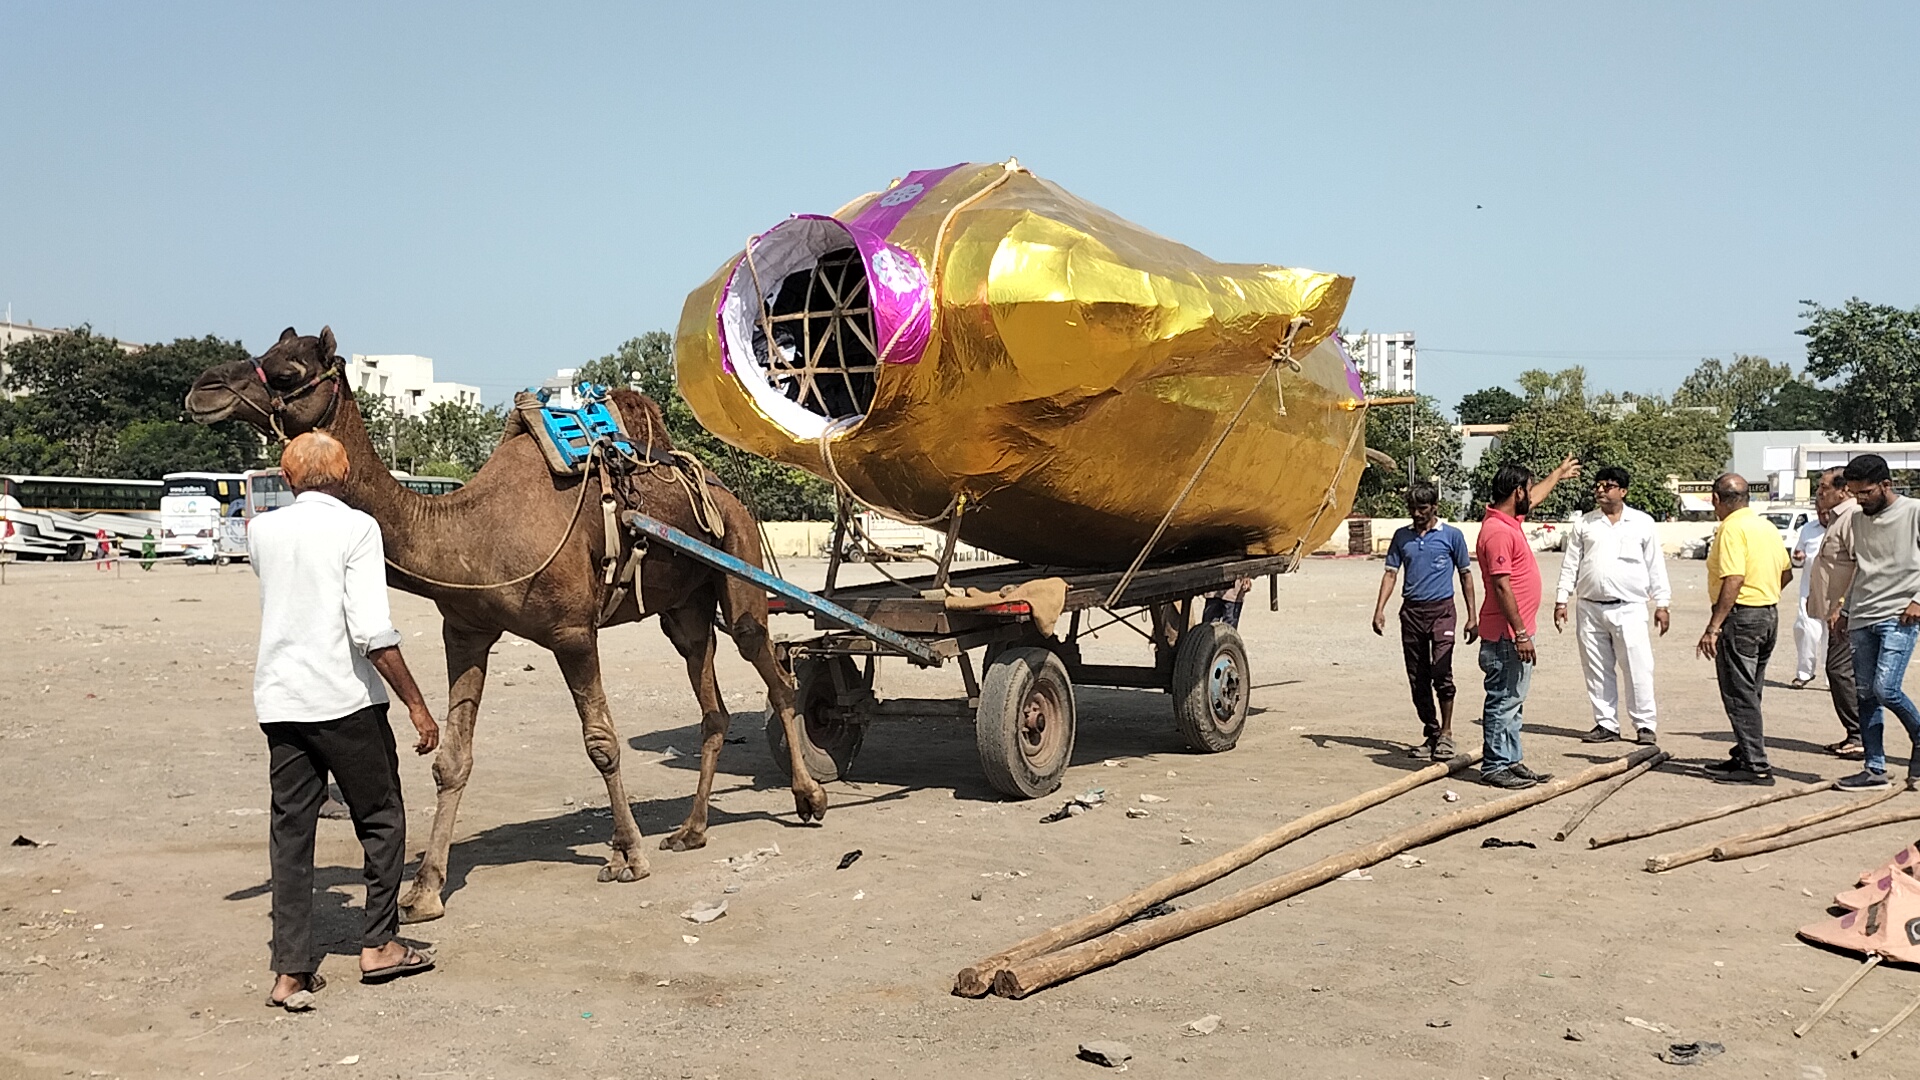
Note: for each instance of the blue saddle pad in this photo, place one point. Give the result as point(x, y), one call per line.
point(574, 432)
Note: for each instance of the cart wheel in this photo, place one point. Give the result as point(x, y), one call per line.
point(1025, 723)
point(833, 735)
point(1210, 687)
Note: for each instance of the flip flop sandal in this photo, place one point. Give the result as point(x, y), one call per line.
point(302, 999)
point(413, 963)
point(1799, 684)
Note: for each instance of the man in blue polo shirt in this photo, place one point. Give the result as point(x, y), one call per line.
point(1433, 552)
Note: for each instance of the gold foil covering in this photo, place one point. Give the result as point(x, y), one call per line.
point(1078, 370)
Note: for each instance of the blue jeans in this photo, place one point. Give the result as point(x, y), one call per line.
point(1507, 678)
point(1880, 654)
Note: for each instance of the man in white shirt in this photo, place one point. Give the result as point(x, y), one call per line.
point(1614, 566)
point(326, 641)
point(1809, 629)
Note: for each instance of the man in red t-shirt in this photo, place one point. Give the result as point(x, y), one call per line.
point(1512, 578)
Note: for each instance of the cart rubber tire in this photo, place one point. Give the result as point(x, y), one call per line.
point(1211, 685)
point(1025, 723)
point(832, 740)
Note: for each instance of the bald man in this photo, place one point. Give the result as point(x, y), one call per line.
point(326, 642)
point(1747, 567)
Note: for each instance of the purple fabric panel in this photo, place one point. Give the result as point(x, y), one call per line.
point(902, 295)
point(883, 213)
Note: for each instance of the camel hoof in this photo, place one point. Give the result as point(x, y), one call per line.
point(607, 872)
point(627, 875)
point(811, 805)
point(683, 840)
point(419, 913)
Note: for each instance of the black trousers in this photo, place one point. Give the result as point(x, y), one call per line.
point(1740, 663)
point(1840, 684)
point(1426, 639)
point(358, 751)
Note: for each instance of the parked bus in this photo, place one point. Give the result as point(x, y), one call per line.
point(427, 485)
point(79, 494)
point(202, 515)
point(267, 489)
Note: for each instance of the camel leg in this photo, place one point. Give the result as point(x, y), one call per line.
point(690, 628)
point(579, 655)
point(744, 614)
point(466, 677)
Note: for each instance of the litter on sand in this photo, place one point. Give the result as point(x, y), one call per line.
point(1356, 875)
point(1113, 1055)
point(742, 863)
point(1076, 806)
point(1496, 842)
point(1206, 1025)
point(1692, 1053)
point(704, 912)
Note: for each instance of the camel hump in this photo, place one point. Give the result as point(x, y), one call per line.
point(644, 420)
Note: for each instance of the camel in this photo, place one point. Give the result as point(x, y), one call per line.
point(497, 529)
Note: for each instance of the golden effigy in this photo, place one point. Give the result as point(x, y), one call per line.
point(977, 339)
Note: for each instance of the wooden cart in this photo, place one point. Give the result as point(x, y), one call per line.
point(1018, 684)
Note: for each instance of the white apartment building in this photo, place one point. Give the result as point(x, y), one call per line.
point(560, 389)
point(407, 382)
point(1388, 359)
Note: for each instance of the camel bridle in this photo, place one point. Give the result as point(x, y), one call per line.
point(334, 373)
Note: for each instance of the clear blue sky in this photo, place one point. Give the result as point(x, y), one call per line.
point(514, 188)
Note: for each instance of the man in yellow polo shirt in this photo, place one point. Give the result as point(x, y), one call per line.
point(1747, 566)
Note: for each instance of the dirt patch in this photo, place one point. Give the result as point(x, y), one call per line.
point(134, 944)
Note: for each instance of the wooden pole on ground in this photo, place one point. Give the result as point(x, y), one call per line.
point(1834, 998)
point(1724, 811)
point(1027, 976)
point(1606, 791)
point(1676, 859)
point(1740, 849)
point(976, 979)
point(1886, 1027)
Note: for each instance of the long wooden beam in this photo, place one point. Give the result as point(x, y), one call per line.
point(1027, 976)
point(976, 979)
point(1695, 819)
point(1741, 849)
point(1675, 859)
point(1606, 792)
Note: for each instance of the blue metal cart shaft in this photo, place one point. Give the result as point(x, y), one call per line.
point(813, 603)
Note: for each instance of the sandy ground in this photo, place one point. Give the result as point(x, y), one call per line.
point(134, 942)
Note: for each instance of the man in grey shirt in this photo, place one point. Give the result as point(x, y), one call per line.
point(1883, 612)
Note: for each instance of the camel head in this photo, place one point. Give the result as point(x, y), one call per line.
point(293, 387)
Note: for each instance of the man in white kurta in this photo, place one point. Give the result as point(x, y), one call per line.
point(1614, 567)
point(1809, 631)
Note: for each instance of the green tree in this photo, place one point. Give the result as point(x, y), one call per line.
point(450, 439)
point(1873, 350)
point(1757, 394)
point(1557, 419)
point(1650, 437)
point(85, 394)
point(1431, 449)
point(1656, 441)
point(1494, 405)
point(23, 449)
point(1801, 405)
